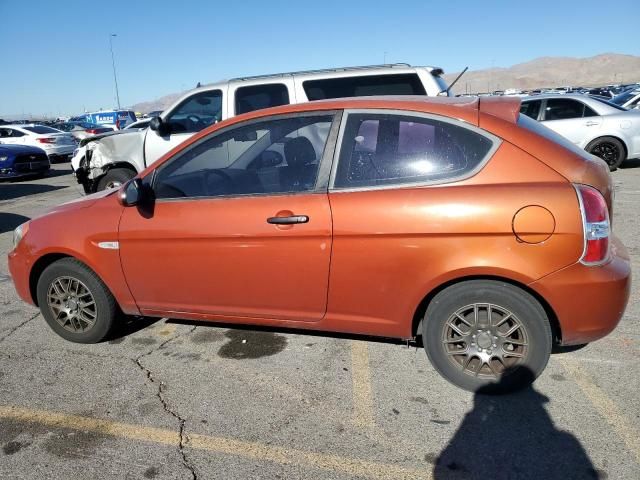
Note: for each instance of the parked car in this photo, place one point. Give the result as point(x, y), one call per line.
point(109, 162)
point(629, 99)
point(57, 144)
point(600, 127)
point(81, 130)
point(138, 125)
point(114, 119)
point(22, 160)
point(604, 92)
point(459, 220)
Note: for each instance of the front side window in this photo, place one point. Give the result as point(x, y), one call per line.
point(531, 109)
point(196, 112)
point(269, 157)
point(387, 149)
point(563, 109)
point(363, 86)
point(257, 97)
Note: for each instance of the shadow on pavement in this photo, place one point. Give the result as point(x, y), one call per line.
point(9, 191)
point(128, 325)
point(634, 163)
point(9, 221)
point(512, 436)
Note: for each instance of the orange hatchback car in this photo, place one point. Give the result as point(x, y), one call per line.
point(458, 220)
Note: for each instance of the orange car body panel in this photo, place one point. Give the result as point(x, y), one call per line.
point(76, 232)
point(220, 256)
point(367, 258)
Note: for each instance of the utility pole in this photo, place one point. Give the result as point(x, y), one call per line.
point(113, 63)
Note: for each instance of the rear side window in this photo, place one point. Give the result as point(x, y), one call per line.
point(531, 109)
point(363, 86)
point(387, 149)
point(566, 108)
point(257, 97)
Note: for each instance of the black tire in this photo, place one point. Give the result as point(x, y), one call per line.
point(610, 149)
point(493, 376)
point(115, 178)
point(104, 307)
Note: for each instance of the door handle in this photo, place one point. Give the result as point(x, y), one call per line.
point(591, 124)
point(288, 220)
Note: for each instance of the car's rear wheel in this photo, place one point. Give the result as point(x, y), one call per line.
point(115, 178)
point(487, 336)
point(610, 149)
point(75, 303)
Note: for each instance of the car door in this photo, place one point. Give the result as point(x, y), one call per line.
point(193, 114)
point(571, 118)
point(238, 228)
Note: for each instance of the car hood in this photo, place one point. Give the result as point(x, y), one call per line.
point(6, 149)
point(82, 202)
point(92, 138)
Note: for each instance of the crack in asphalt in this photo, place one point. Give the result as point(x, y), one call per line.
point(183, 438)
point(13, 330)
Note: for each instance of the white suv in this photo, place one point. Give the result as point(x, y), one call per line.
point(108, 160)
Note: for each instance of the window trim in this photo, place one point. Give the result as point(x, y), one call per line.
point(496, 142)
point(322, 178)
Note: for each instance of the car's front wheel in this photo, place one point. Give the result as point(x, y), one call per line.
point(75, 303)
point(487, 336)
point(115, 178)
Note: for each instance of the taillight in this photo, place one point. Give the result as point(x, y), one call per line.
point(597, 228)
point(46, 140)
point(93, 131)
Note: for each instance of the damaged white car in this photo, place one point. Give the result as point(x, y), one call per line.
point(111, 159)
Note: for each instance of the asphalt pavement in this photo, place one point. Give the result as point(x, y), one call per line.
point(166, 399)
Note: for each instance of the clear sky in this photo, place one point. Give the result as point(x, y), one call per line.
point(56, 57)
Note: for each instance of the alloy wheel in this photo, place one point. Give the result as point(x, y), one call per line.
point(484, 340)
point(72, 304)
point(606, 151)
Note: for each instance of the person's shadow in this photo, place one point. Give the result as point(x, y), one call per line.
point(512, 437)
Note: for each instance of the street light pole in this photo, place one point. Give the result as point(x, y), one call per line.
point(113, 63)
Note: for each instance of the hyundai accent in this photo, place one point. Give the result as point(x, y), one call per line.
point(457, 220)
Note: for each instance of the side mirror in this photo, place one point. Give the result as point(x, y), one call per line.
point(131, 193)
point(160, 127)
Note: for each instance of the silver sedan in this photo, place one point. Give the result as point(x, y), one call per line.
point(600, 127)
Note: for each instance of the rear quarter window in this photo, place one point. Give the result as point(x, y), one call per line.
point(363, 86)
point(394, 149)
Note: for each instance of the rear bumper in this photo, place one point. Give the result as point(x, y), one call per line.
point(60, 150)
point(589, 301)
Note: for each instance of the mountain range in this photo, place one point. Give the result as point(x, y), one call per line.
point(543, 72)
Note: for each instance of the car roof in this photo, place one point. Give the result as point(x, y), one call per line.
point(462, 108)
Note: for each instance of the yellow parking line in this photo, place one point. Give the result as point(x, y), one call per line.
point(361, 377)
point(253, 450)
point(606, 407)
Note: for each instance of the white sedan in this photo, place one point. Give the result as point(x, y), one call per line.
point(602, 128)
point(57, 144)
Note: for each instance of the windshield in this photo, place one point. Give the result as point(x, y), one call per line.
point(624, 97)
point(611, 104)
